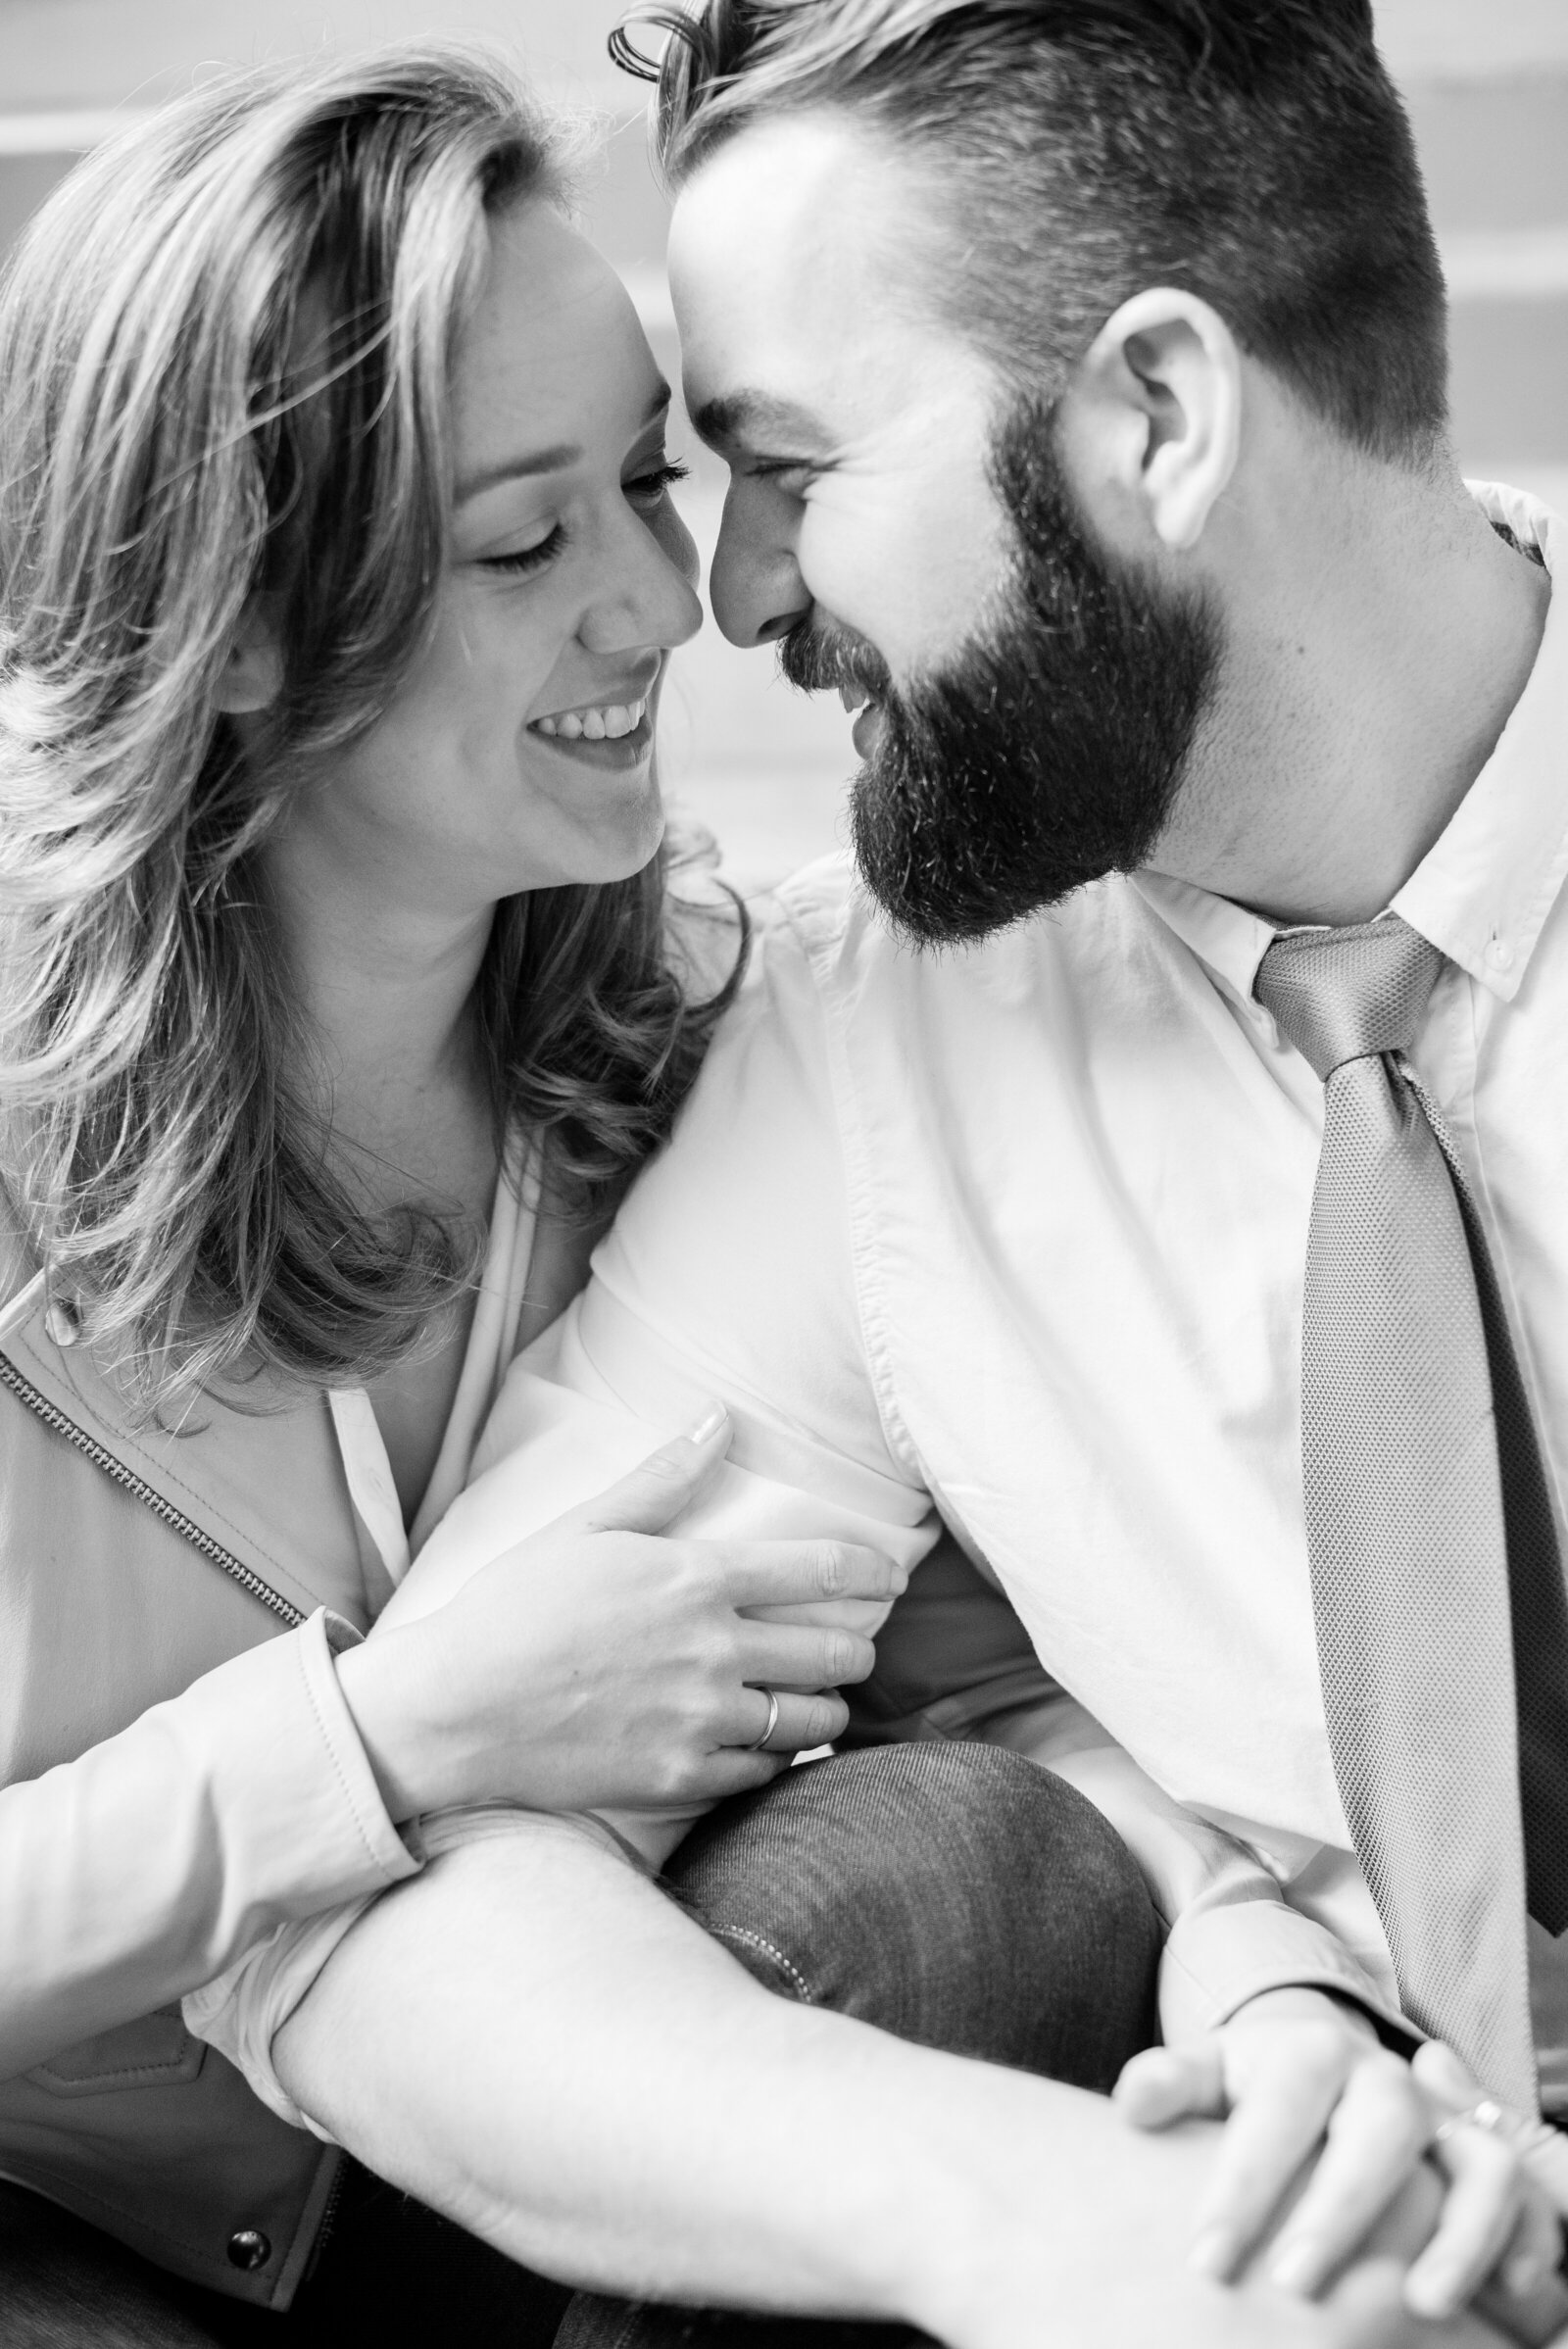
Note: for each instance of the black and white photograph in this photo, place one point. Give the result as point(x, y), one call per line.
point(783, 1174)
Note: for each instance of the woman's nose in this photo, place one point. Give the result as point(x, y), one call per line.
point(654, 600)
point(755, 584)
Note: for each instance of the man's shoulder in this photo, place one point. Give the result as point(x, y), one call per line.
point(824, 919)
point(820, 900)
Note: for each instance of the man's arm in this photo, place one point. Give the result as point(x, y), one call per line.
point(1266, 2016)
point(532, 2038)
point(563, 2061)
point(731, 1272)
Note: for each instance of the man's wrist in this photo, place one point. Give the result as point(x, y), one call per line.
point(1305, 2002)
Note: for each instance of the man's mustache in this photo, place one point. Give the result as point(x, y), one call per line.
point(817, 657)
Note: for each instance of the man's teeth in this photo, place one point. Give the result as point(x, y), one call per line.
point(606, 724)
point(854, 697)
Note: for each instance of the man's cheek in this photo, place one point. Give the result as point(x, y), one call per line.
point(907, 574)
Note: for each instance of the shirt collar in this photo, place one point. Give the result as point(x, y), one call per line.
point(1483, 891)
point(1224, 936)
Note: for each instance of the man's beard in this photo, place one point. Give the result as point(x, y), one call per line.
point(1050, 751)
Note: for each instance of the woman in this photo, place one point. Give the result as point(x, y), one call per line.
point(338, 999)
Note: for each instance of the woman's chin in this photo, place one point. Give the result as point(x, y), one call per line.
point(617, 843)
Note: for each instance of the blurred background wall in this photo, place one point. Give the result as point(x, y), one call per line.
point(1486, 82)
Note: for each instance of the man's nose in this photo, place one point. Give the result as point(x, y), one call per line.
point(755, 585)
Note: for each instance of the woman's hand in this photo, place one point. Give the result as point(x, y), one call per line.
point(1300, 2073)
point(596, 1664)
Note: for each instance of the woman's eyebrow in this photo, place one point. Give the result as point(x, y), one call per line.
point(518, 468)
point(544, 461)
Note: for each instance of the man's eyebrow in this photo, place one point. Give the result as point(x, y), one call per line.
point(758, 420)
point(544, 461)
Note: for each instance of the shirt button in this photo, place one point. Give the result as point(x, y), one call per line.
point(1501, 954)
point(249, 2248)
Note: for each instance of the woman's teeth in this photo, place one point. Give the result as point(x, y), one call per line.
point(606, 724)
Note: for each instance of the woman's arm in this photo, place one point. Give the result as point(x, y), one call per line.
point(590, 1664)
point(135, 1872)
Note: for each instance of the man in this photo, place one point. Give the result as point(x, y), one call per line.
point(1080, 371)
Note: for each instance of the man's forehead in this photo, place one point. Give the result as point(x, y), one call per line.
point(801, 267)
point(802, 194)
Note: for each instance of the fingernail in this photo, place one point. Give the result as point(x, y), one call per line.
point(1432, 2295)
point(1295, 2267)
point(712, 1420)
point(1212, 2254)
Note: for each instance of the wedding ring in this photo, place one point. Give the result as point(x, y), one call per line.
point(757, 1743)
point(1497, 2119)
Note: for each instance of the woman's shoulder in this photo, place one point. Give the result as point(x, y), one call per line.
point(19, 1262)
point(710, 929)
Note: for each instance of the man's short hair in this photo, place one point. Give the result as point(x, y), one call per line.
point(1252, 152)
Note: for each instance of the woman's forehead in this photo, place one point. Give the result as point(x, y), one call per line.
point(552, 351)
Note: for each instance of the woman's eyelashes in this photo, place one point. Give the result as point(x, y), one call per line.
point(528, 558)
point(646, 491)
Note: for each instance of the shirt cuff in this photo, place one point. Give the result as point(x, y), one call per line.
point(393, 1851)
point(354, 1853)
point(1216, 1959)
point(304, 1821)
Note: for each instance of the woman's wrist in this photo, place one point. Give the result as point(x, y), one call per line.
point(384, 1684)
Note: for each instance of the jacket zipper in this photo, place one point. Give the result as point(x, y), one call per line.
point(139, 1490)
point(329, 2216)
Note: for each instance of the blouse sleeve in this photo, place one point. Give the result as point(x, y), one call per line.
point(142, 1868)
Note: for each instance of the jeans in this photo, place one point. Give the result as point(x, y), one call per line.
point(953, 1894)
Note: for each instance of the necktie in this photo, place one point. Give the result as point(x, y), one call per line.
point(1436, 1587)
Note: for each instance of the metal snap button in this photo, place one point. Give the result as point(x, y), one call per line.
point(63, 1321)
point(249, 2248)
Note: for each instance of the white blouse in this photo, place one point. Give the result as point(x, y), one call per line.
point(492, 1343)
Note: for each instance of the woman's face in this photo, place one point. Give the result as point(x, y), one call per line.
point(518, 752)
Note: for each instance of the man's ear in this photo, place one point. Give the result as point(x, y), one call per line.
point(1152, 416)
point(253, 675)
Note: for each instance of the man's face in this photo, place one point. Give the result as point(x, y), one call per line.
point(902, 524)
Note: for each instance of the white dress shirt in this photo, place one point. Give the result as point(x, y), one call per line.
point(1019, 1231)
point(1023, 1227)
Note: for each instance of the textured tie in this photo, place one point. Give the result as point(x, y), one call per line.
point(1436, 1587)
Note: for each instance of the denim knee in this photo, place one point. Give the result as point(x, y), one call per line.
point(955, 1894)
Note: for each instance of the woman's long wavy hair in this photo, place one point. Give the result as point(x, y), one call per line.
point(161, 461)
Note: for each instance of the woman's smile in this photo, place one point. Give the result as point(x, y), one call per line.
point(612, 734)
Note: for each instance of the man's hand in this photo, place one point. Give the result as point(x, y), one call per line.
point(1298, 2074)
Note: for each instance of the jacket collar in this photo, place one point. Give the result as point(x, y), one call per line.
point(264, 1482)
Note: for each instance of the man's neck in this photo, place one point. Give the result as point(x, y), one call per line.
point(1366, 686)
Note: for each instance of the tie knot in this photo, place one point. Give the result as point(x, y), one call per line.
point(1340, 994)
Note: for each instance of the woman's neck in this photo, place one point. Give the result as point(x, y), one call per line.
point(386, 988)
